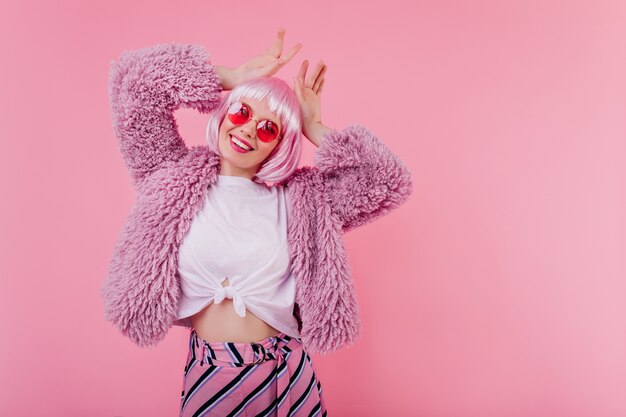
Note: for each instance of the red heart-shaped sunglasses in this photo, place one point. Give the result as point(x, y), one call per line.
point(240, 113)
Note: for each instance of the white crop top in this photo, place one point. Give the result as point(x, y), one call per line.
point(241, 233)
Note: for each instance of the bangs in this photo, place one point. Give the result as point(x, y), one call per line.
point(278, 99)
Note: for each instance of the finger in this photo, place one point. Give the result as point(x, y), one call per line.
point(319, 90)
point(297, 88)
point(303, 68)
point(319, 78)
point(277, 47)
point(287, 57)
point(313, 76)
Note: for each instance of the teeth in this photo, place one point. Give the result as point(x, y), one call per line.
point(240, 144)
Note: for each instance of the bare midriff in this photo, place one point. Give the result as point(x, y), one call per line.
point(220, 323)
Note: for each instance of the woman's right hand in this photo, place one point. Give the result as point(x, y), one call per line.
point(263, 65)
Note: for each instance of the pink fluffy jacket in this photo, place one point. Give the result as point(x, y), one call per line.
point(355, 179)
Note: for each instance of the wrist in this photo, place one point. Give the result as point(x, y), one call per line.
point(228, 77)
point(315, 132)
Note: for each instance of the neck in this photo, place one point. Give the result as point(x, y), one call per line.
point(228, 169)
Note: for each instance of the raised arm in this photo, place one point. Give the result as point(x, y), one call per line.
point(362, 178)
point(146, 86)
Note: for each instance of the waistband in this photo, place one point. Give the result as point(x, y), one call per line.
point(236, 354)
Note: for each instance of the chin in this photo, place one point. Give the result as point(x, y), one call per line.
point(234, 161)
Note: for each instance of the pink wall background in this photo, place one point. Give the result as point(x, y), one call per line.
point(498, 290)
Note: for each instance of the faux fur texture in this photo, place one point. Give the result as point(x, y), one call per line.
point(356, 179)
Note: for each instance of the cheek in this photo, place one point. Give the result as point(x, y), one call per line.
point(223, 128)
point(267, 148)
point(222, 134)
point(270, 146)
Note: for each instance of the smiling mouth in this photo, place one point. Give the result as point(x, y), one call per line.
point(240, 144)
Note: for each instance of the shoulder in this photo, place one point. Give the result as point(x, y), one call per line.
point(305, 187)
point(303, 176)
point(198, 162)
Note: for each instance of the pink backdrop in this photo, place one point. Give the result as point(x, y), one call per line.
point(498, 290)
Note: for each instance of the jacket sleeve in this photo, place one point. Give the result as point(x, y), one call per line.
point(362, 178)
point(146, 86)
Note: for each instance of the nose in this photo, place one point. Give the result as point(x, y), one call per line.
point(249, 128)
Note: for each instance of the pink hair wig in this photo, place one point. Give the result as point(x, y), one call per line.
point(282, 101)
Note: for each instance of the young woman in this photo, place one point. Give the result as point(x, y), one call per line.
point(258, 272)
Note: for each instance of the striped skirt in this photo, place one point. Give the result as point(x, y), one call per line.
point(271, 377)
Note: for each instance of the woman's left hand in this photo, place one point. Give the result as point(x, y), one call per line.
point(308, 90)
point(265, 64)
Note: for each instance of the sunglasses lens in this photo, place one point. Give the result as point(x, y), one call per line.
point(267, 131)
point(238, 113)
